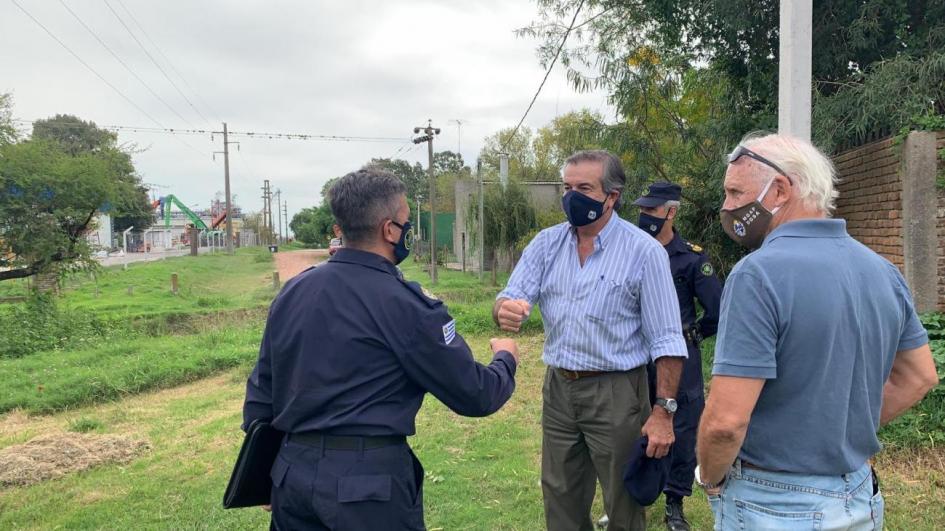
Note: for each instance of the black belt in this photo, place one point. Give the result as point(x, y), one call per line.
point(346, 442)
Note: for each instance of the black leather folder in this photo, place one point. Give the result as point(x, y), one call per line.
point(250, 484)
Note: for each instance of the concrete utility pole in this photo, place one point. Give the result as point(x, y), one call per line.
point(482, 223)
point(226, 176)
point(279, 215)
point(285, 218)
point(794, 68)
point(267, 212)
point(272, 230)
point(428, 133)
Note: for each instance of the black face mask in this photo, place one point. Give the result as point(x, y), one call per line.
point(652, 224)
point(402, 247)
point(580, 209)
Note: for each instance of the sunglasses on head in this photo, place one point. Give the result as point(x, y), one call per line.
point(742, 151)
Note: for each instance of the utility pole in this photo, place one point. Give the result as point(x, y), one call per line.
point(226, 176)
point(482, 223)
point(428, 133)
point(285, 218)
point(279, 215)
point(267, 212)
point(272, 231)
point(794, 68)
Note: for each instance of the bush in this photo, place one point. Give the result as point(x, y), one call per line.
point(40, 324)
point(924, 424)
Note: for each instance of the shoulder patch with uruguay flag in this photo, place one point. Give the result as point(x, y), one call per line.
point(449, 331)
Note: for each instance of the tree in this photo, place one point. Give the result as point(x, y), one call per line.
point(76, 137)
point(508, 219)
point(448, 162)
point(413, 176)
point(8, 134)
point(254, 221)
point(313, 225)
point(48, 199)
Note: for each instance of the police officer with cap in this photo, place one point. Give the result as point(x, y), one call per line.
point(350, 349)
point(694, 278)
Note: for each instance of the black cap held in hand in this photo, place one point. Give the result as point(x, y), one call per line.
point(645, 477)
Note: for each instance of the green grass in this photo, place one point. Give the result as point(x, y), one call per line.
point(480, 473)
point(55, 380)
point(206, 282)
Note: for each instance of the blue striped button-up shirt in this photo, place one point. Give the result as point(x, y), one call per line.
point(615, 313)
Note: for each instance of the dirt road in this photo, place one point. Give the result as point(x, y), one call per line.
point(292, 263)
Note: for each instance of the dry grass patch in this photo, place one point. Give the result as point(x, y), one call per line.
point(53, 456)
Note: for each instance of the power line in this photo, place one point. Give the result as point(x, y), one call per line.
point(547, 73)
point(117, 58)
point(146, 52)
point(248, 134)
point(113, 87)
point(169, 63)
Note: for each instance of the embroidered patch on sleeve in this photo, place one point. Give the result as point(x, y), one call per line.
point(707, 269)
point(449, 331)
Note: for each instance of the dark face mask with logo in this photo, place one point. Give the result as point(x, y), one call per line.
point(580, 209)
point(652, 225)
point(747, 225)
point(402, 247)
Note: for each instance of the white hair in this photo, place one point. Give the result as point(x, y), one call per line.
point(671, 203)
point(812, 172)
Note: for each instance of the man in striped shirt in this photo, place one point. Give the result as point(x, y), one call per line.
point(609, 306)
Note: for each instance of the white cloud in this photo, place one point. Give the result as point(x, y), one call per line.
point(366, 68)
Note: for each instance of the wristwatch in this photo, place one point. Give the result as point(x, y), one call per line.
point(703, 484)
point(669, 404)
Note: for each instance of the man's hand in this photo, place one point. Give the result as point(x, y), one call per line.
point(506, 344)
point(511, 314)
point(659, 430)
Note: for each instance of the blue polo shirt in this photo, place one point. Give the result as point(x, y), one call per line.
point(820, 317)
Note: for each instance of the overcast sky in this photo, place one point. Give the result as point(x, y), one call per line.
point(345, 67)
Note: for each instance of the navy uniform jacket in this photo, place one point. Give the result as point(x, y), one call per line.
point(350, 348)
point(694, 278)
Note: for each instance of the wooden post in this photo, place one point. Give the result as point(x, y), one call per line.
point(275, 280)
point(174, 283)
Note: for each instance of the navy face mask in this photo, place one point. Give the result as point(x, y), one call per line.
point(652, 224)
point(580, 209)
point(402, 247)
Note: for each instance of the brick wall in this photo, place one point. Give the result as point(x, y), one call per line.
point(871, 196)
point(940, 215)
point(870, 200)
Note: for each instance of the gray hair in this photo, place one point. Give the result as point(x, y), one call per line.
point(672, 203)
point(811, 170)
point(362, 200)
point(613, 179)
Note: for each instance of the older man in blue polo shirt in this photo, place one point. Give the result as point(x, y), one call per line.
point(818, 346)
point(609, 306)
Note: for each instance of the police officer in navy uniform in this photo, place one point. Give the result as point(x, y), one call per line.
point(350, 349)
point(694, 278)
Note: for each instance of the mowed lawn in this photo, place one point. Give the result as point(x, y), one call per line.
point(480, 473)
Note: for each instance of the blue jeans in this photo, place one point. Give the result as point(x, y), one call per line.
point(758, 500)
